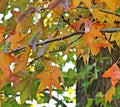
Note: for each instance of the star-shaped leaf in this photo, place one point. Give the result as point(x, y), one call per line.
point(49, 78)
point(109, 94)
point(114, 73)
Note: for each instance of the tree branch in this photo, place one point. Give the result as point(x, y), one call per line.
point(55, 98)
point(110, 30)
point(105, 11)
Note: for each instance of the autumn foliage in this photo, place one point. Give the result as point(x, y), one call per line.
point(38, 30)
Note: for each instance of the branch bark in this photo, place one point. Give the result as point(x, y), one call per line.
point(110, 30)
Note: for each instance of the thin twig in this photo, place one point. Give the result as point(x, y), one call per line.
point(117, 60)
point(57, 50)
point(105, 11)
point(34, 61)
point(75, 40)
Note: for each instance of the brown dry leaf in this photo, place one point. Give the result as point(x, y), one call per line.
point(50, 78)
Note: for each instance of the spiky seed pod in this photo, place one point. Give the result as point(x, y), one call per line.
point(62, 46)
point(39, 66)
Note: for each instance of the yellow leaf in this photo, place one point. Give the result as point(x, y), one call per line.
point(114, 37)
point(109, 94)
point(112, 5)
point(74, 3)
point(87, 3)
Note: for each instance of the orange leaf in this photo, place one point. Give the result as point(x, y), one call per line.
point(2, 30)
point(92, 35)
point(97, 44)
point(114, 73)
point(109, 94)
point(3, 80)
point(74, 3)
point(5, 61)
point(14, 39)
point(23, 59)
point(50, 78)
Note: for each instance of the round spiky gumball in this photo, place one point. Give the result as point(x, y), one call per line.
point(39, 66)
point(62, 46)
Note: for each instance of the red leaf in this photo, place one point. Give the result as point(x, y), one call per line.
point(76, 25)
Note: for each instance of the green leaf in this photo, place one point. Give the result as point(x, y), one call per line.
point(89, 103)
point(25, 93)
point(117, 10)
point(46, 99)
point(10, 103)
point(99, 98)
point(8, 90)
point(7, 105)
point(67, 99)
point(33, 89)
point(21, 4)
point(117, 93)
point(20, 86)
point(84, 72)
point(70, 57)
point(69, 77)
